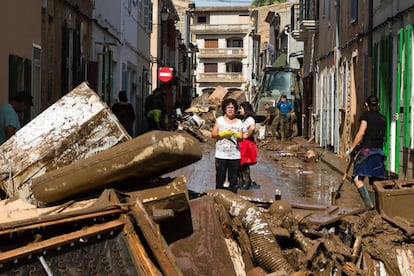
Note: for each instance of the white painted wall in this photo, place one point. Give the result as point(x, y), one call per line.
point(124, 25)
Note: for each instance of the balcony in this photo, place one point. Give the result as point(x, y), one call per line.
point(220, 29)
point(307, 22)
point(222, 53)
point(221, 77)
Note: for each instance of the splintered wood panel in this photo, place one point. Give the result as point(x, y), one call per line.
point(77, 126)
point(155, 240)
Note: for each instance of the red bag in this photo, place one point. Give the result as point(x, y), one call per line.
point(248, 152)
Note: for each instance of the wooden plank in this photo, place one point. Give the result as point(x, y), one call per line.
point(59, 240)
point(218, 94)
point(177, 186)
point(155, 240)
point(137, 251)
point(34, 222)
point(21, 215)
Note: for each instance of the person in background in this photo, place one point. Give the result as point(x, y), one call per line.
point(247, 146)
point(10, 112)
point(154, 106)
point(369, 160)
point(124, 111)
point(270, 120)
point(227, 132)
point(286, 114)
point(270, 49)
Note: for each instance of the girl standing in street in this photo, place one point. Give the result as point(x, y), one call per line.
point(248, 148)
point(227, 131)
point(370, 158)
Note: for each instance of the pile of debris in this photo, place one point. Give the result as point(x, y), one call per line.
point(200, 117)
point(84, 198)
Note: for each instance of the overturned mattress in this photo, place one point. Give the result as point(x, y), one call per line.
point(78, 125)
point(149, 155)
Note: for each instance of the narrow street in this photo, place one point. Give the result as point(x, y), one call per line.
point(280, 166)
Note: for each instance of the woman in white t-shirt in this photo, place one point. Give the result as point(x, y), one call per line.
point(227, 131)
point(247, 146)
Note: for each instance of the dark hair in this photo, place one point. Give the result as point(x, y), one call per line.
point(123, 96)
point(283, 96)
point(248, 109)
point(157, 91)
point(24, 97)
point(372, 102)
point(227, 102)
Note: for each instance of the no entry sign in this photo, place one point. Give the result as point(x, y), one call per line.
point(165, 74)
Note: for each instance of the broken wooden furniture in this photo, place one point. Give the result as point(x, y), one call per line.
point(113, 234)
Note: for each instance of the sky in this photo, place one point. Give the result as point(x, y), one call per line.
point(203, 3)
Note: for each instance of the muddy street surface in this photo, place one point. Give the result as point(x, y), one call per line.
point(281, 166)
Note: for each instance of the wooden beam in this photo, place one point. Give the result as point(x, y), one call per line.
point(158, 245)
point(59, 240)
point(137, 251)
point(33, 223)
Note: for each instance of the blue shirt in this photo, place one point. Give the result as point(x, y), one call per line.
point(285, 107)
point(8, 117)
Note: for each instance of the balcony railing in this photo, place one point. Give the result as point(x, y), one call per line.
point(296, 31)
point(221, 53)
point(220, 28)
point(220, 77)
point(308, 10)
point(308, 19)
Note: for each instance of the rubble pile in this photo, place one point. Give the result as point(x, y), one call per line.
point(276, 241)
point(200, 117)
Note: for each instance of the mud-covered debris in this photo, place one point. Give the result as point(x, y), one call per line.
point(310, 156)
point(343, 246)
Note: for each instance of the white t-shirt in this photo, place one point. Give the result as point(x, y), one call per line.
point(248, 122)
point(228, 148)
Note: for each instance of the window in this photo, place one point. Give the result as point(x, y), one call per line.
point(210, 67)
point(36, 80)
point(146, 12)
point(201, 19)
point(149, 16)
point(20, 78)
point(211, 43)
point(324, 8)
point(329, 12)
point(234, 67)
point(353, 11)
point(234, 43)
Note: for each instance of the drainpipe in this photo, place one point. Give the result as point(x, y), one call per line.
point(337, 84)
point(287, 33)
